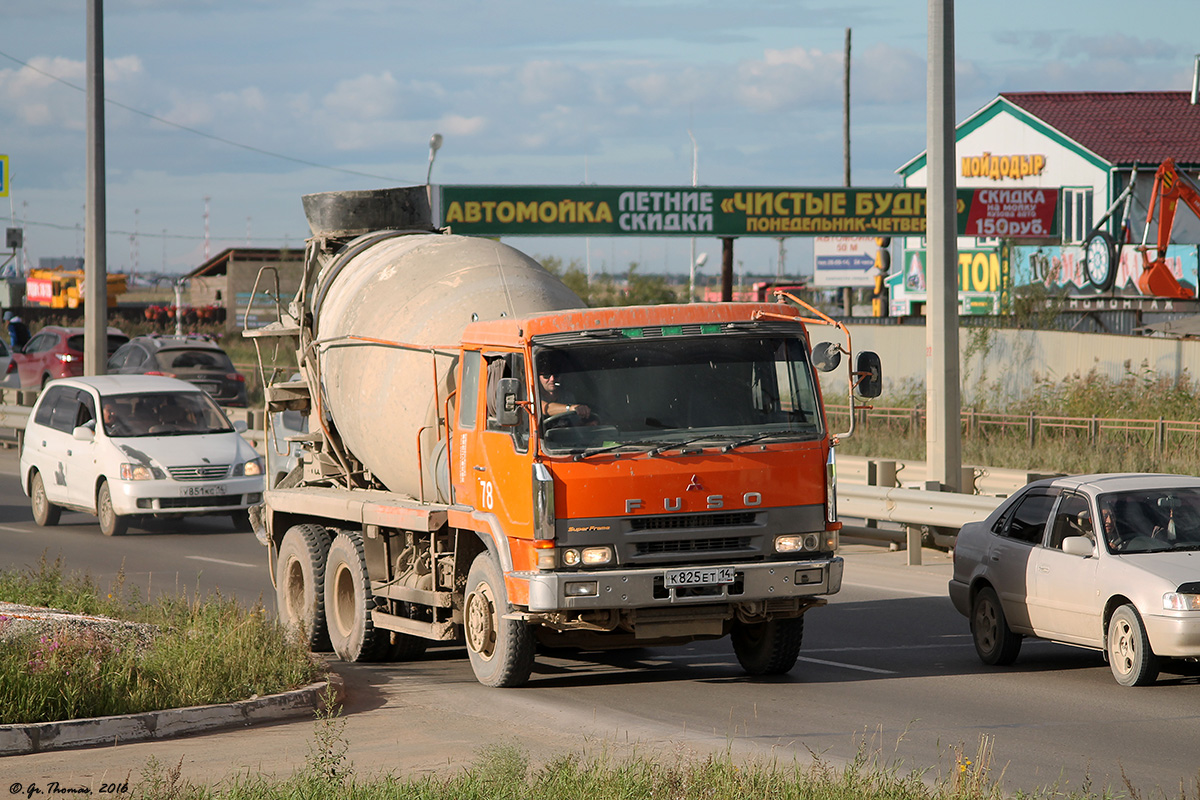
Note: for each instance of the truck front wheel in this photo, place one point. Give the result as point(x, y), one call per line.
point(349, 603)
point(768, 648)
point(501, 650)
point(300, 583)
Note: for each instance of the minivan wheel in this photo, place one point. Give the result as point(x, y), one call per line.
point(111, 524)
point(45, 513)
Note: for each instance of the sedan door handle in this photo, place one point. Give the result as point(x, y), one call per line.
point(994, 556)
point(1043, 568)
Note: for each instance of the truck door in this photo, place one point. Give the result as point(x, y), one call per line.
point(504, 485)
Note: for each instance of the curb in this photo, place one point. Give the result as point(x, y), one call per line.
point(40, 737)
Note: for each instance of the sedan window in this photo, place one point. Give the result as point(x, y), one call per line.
point(1073, 518)
point(1028, 520)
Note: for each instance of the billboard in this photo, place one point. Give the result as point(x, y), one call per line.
point(731, 211)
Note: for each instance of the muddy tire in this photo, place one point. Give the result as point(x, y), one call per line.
point(768, 648)
point(501, 650)
point(111, 523)
point(300, 583)
point(45, 513)
point(349, 604)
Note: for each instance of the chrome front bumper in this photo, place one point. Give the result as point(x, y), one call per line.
point(635, 588)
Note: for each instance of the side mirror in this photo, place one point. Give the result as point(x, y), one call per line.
point(509, 413)
point(826, 356)
point(240, 426)
point(1078, 546)
point(870, 374)
point(83, 433)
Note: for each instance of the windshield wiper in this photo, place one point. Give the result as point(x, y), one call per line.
point(620, 445)
point(680, 445)
point(758, 438)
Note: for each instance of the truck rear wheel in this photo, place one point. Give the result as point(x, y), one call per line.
point(768, 648)
point(501, 650)
point(300, 583)
point(349, 604)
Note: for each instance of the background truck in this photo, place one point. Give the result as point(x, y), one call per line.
point(442, 495)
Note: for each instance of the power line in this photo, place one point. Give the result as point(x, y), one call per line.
point(164, 235)
point(210, 136)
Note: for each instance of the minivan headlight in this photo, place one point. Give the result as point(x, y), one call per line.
point(136, 472)
point(252, 467)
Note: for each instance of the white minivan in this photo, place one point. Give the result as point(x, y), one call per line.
point(124, 447)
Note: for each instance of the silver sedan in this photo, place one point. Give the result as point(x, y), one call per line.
point(1109, 562)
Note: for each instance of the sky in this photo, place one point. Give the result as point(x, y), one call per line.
point(237, 108)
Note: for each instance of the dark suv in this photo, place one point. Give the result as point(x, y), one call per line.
point(196, 359)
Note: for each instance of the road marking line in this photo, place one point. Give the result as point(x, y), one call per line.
point(221, 561)
point(14, 530)
point(846, 666)
point(880, 587)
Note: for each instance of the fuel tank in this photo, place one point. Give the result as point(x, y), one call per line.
point(388, 311)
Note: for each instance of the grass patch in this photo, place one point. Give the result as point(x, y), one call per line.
point(505, 773)
point(200, 651)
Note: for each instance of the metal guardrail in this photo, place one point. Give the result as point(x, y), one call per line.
point(13, 419)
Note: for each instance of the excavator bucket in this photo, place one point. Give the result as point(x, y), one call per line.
point(1156, 280)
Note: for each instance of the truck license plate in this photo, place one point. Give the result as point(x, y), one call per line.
point(199, 491)
point(698, 577)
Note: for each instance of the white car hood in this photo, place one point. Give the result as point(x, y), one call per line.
point(180, 451)
point(1174, 568)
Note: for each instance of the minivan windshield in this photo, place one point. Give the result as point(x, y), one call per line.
point(662, 394)
point(162, 414)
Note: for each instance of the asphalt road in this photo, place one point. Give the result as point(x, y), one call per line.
point(887, 670)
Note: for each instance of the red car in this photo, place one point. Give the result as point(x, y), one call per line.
point(56, 352)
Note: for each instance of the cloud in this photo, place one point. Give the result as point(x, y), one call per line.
point(367, 97)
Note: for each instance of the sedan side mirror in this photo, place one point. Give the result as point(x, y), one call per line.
point(84, 433)
point(1078, 546)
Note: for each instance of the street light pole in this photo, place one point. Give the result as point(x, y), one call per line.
point(435, 144)
point(692, 259)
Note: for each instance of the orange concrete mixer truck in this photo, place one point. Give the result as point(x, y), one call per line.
point(487, 461)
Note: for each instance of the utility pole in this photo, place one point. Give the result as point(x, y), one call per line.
point(943, 431)
point(95, 303)
point(847, 291)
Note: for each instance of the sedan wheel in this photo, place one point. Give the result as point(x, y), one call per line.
point(1132, 661)
point(995, 642)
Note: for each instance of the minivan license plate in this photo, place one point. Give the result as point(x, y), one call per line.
point(199, 491)
point(698, 577)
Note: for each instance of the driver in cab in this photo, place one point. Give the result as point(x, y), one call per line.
point(554, 399)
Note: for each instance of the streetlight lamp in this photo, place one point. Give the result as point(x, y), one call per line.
point(435, 143)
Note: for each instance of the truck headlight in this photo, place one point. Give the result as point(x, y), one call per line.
point(797, 542)
point(1181, 601)
point(595, 556)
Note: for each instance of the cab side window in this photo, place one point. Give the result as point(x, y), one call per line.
point(468, 393)
point(1027, 521)
point(509, 365)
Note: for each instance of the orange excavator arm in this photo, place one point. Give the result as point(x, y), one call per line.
point(1170, 186)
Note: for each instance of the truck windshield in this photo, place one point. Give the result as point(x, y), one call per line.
point(672, 392)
